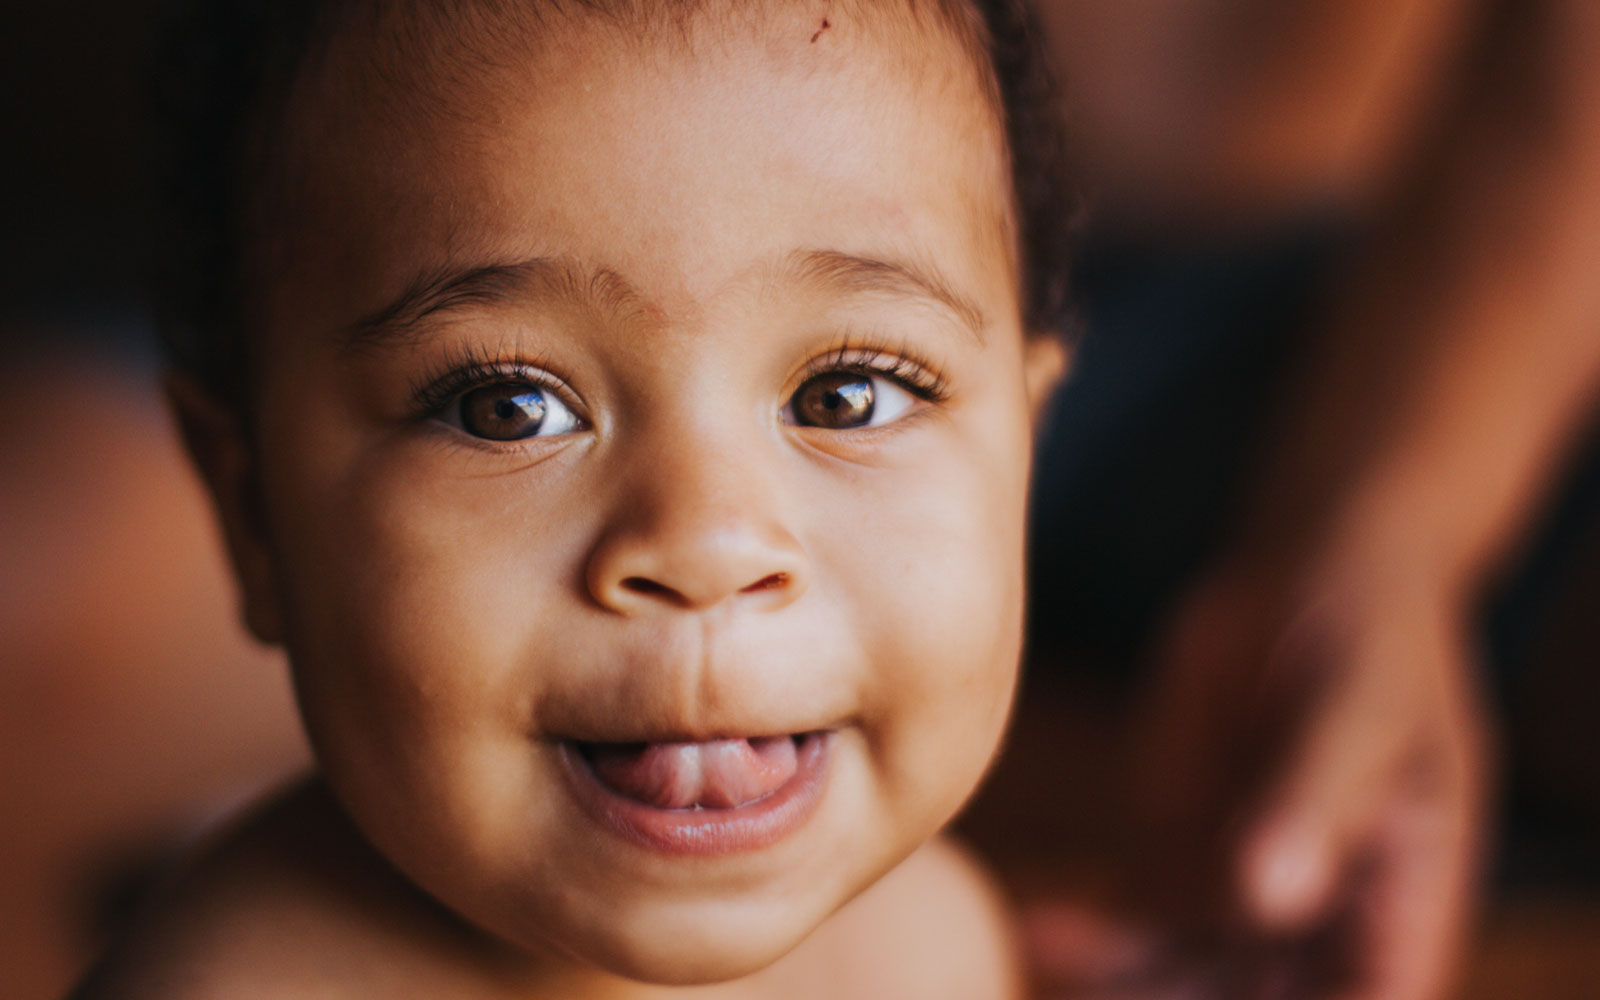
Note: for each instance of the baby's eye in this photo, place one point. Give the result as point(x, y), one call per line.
point(510, 411)
point(844, 399)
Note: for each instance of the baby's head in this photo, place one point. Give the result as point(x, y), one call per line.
point(627, 434)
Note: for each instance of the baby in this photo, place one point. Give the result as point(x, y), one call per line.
point(621, 413)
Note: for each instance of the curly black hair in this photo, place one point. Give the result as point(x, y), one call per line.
point(223, 75)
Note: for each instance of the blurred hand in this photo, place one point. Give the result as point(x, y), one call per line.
point(1309, 770)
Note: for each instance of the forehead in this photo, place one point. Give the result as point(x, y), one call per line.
point(679, 154)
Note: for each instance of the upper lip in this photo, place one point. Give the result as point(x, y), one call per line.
point(684, 735)
point(676, 679)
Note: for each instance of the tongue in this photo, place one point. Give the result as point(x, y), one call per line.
point(720, 774)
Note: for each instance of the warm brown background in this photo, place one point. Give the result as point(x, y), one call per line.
point(132, 711)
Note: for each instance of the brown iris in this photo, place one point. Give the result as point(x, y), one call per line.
point(504, 411)
point(835, 400)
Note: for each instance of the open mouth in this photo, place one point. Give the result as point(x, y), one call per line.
point(710, 797)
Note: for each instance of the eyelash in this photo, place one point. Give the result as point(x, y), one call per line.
point(468, 368)
point(911, 371)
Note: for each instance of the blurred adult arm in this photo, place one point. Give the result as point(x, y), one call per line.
point(1313, 745)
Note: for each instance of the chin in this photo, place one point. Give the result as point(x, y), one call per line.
point(715, 944)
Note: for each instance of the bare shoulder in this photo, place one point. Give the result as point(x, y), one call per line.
point(935, 928)
point(287, 903)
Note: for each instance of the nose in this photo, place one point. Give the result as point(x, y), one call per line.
point(698, 528)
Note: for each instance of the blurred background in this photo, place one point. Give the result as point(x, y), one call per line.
point(134, 711)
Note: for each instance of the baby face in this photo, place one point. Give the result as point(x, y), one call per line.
point(642, 438)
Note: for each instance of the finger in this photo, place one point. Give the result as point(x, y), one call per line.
point(1330, 784)
point(1430, 845)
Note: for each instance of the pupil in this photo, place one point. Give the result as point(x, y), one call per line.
point(504, 411)
point(835, 400)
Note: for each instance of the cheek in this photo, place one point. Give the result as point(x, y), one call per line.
point(409, 600)
point(934, 572)
point(415, 598)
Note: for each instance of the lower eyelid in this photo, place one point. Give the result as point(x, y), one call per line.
point(455, 437)
point(865, 446)
point(482, 459)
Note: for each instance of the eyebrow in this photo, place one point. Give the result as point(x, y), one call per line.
point(853, 273)
point(488, 284)
point(446, 290)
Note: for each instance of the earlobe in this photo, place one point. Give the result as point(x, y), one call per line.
point(1046, 358)
point(221, 451)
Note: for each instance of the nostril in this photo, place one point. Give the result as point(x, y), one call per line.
point(772, 582)
point(644, 585)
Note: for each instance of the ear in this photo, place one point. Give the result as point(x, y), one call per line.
point(221, 449)
point(1045, 360)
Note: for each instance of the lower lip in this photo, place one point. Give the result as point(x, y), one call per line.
point(700, 831)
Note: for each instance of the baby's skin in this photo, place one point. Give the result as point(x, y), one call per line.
point(296, 904)
point(634, 469)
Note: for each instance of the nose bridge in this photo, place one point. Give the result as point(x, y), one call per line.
point(700, 520)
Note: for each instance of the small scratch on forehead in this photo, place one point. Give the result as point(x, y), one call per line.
point(821, 28)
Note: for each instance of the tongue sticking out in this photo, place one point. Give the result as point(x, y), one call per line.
point(720, 774)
